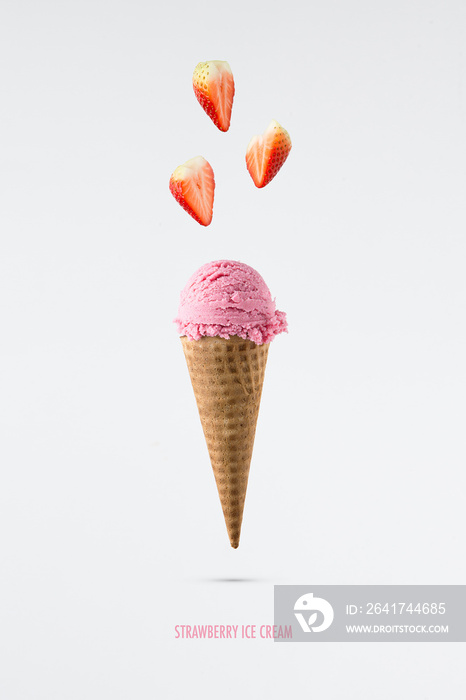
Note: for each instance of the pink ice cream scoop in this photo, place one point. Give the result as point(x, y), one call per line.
point(225, 298)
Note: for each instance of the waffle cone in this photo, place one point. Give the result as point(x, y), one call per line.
point(227, 377)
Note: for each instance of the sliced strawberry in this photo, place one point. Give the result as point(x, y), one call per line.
point(266, 154)
point(214, 88)
point(192, 185)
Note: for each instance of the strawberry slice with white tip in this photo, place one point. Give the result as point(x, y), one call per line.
point(214, 88)
point(192, 185)
point(266, 153)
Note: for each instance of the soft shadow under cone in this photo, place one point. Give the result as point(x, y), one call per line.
point(227, 377)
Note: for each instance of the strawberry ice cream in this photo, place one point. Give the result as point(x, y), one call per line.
point(227, 298)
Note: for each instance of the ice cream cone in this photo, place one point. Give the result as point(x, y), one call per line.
point(227, 377)
point(227, 319)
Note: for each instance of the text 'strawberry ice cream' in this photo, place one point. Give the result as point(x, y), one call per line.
point(226, 298)
point(227, 319)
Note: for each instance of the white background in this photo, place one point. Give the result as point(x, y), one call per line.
point(111, 530)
